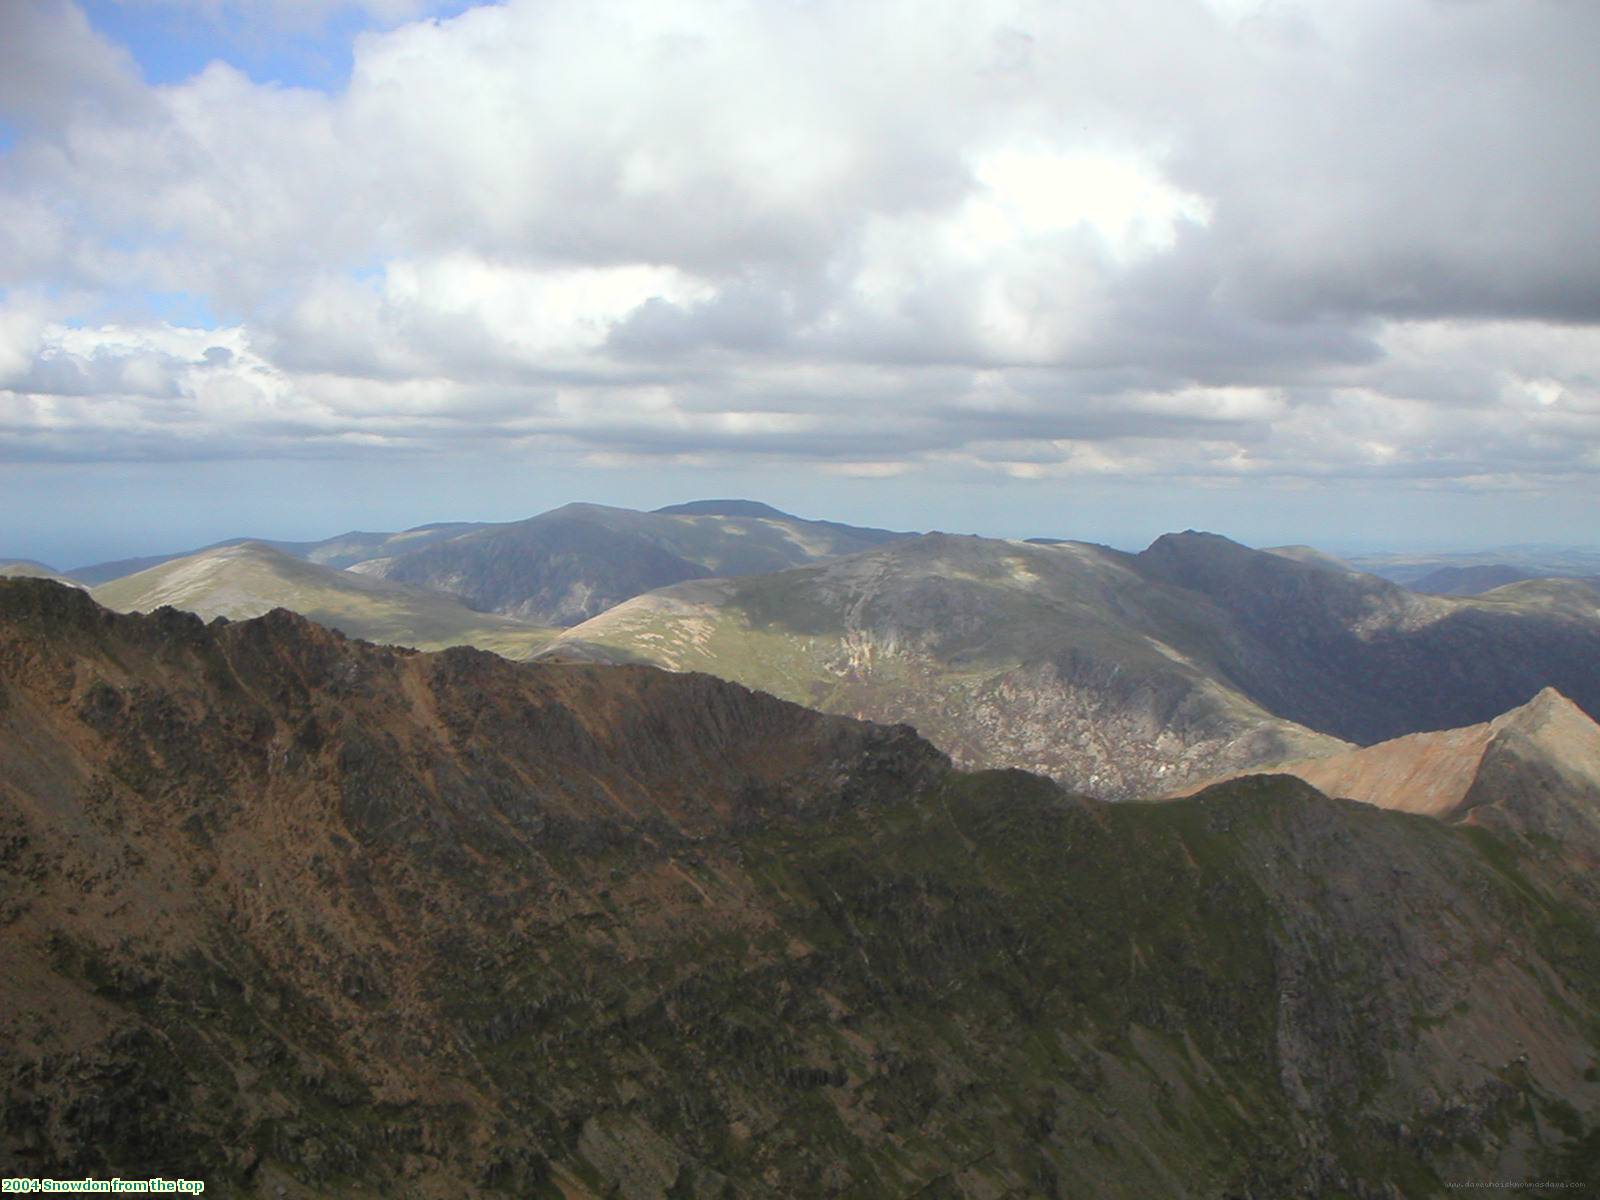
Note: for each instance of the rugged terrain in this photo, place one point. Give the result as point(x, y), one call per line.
point(1536, 767)
point(308, 917)
point(247, 579)
point(1055, 658)
point(1118, 674)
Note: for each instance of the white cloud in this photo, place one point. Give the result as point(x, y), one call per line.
point(1214, 239)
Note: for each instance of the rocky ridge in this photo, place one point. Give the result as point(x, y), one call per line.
point(309, 917)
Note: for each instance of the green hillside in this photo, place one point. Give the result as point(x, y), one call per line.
point(251, 578)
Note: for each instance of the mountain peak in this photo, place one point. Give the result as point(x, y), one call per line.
point(1533, 765)
point(46, 601)
point(1195, 549)
point(1560, 730)
point(724, 508)
point(1546, 704)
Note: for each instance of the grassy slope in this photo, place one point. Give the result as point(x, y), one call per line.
point(249, 579)
point(342, 550)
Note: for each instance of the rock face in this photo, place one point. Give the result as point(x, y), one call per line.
point(307, 917)
point(1119, 675)
point(1058, 658)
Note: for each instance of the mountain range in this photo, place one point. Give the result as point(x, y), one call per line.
point(1482, 569)
point(1117, 674)
point(343, 550)
point(564, 566)
point(561, 566)
point(305, 916)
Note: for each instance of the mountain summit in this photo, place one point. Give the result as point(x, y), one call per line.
point(1535, 768)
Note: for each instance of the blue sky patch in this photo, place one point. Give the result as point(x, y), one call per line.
point(171, 44)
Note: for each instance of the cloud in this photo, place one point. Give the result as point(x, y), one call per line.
point(1218, 240)
point(56, 72)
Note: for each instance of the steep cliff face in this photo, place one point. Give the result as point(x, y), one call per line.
point(308, 917)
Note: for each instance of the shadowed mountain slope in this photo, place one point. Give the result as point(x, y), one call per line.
point(248, 579)
point(1121, 675)
point(303, 916)
point(1363, 659)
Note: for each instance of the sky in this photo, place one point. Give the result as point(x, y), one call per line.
point(1322, 272)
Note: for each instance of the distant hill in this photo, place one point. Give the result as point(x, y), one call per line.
point(1477, 580)
point(26, 568)
point(574, 562)
point(1468, 581)
point(1117, 674)
point(1533, 562)
point(339, 551)
point(248, 579)
point(568, 564)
